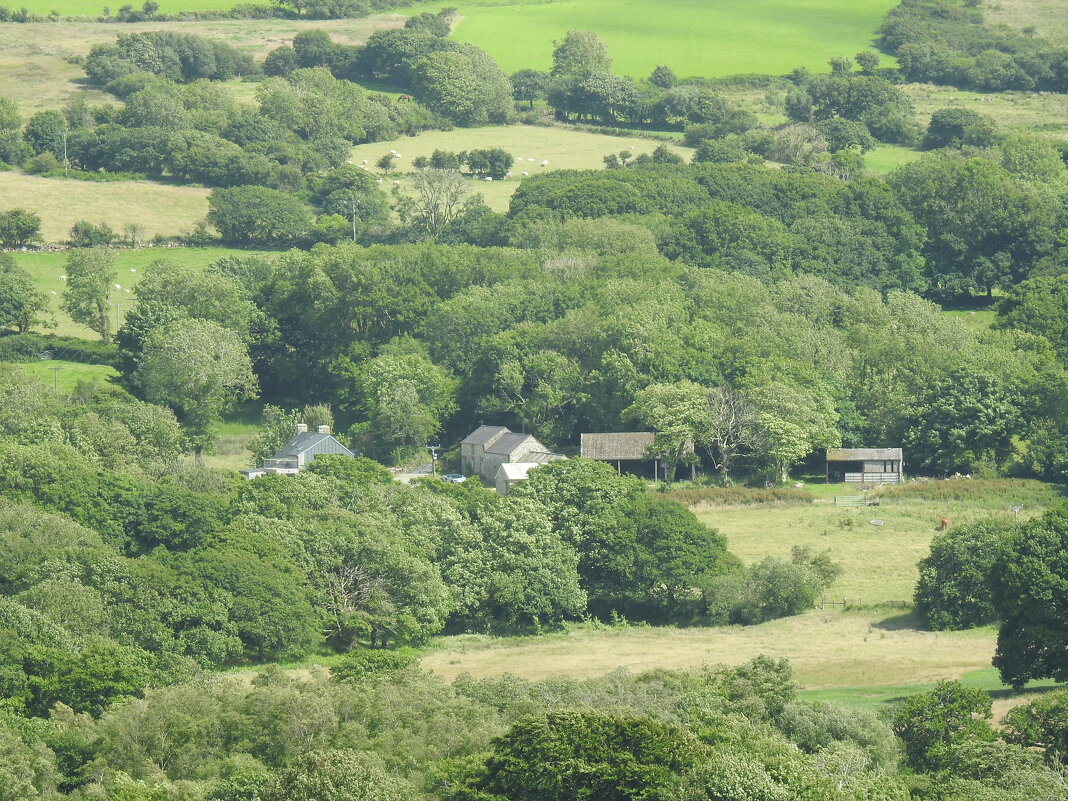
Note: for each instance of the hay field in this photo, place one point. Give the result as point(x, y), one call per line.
point(876, 648)
point(36, 66)
point(161, 209)
point(693, 37)
point(562, 147)
point(1042, 112)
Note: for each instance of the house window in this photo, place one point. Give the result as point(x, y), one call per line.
point(888, 467)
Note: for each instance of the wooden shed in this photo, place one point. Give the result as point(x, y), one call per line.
point(864, 466)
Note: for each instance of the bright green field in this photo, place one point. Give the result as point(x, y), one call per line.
point(47, 267)
point(693, 37)
point(887, 158)
point(64, 375)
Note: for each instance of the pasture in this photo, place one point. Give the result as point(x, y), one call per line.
point(46, 267)
point(562, 147)
point(1049, 18)
point(160, 208)
point(65, 375)
point(865, 653)
point(693, 37)
point(1041, 112)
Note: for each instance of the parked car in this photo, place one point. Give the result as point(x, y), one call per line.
point(454, 478)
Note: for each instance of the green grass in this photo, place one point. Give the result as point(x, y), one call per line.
point(693, 37)
point(46, 266)
point(887, 158)
point(161, 209)
point(64, 375)
point(563, 148)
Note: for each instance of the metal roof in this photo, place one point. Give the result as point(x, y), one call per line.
point(516, 471)
point(543, 457)
point(863, 454)
point(306, 441)
point(509, 442)
point(484, 434)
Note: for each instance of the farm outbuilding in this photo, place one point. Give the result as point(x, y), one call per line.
point(486, 448)
point(864, 466)
point(628, 451)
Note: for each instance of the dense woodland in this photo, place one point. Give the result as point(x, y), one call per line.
point(766, 301)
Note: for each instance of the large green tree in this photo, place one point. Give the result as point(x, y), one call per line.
point(1031, 581)
point(199, 369)
point(90, 279)
point(256, 215)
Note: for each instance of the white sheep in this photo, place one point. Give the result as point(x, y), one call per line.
point(545, 163)
point(364, 161)
point(396, 183)
point(117, 286)
point(53, 292)
point(526, 173)
point(489, 178)
point(530, 159)
point(63, 278)
point(133, 269)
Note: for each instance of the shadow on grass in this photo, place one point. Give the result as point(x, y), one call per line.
point(904, 622)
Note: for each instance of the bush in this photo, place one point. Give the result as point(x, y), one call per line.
point(362, 664)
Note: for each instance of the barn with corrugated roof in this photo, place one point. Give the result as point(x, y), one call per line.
point(864, 466)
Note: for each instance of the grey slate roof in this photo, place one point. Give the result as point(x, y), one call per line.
point(863, 454)
point(306, 441)
point(508, 443)
point(483, 434)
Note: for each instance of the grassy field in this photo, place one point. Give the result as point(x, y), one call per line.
point(693, 37)
point(1043, 112)
point(867, 654)
point(47, 267)
point(161, 209)
point(561, 147)
point(1049, 18)
point(64, 375)
point(887, 158)
point(36, 66)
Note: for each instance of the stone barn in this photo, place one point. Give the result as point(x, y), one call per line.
point(486, 448)
point(864, 466)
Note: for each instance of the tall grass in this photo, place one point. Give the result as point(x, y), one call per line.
point(982, 493)
point(736, 496)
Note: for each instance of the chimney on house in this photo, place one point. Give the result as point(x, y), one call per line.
point(302, 427)
point(324, 429)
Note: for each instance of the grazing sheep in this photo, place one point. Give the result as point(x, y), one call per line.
point(545, 163)
point(489, 178)
point(364, 161)
point(117, 286)
point(526, 173)
point(396, 183)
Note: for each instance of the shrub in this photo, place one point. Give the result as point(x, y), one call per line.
point(29, 347)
